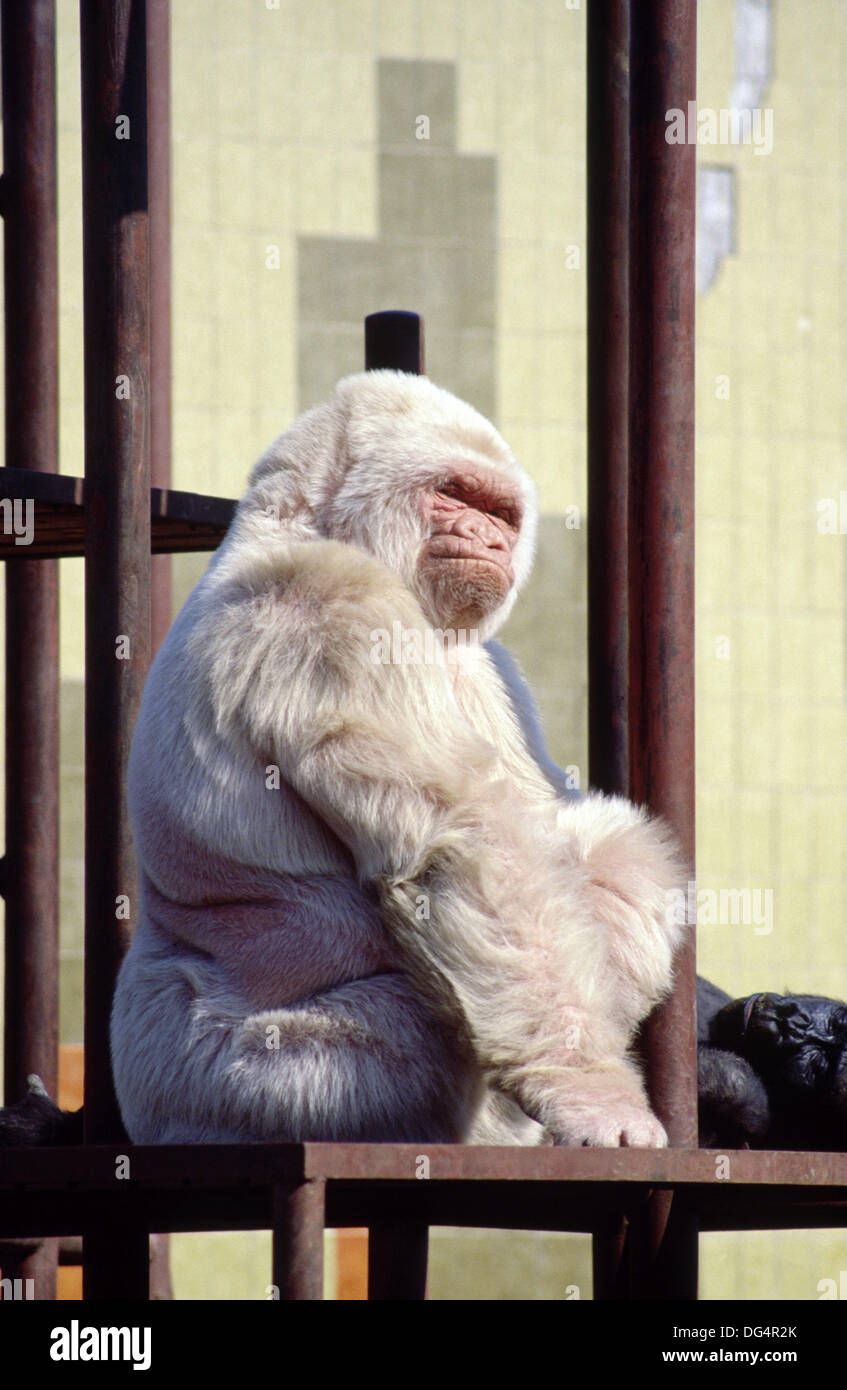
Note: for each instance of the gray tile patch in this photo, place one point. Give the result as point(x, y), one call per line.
point(443, 196)
point(436, 252)
point(409, 89)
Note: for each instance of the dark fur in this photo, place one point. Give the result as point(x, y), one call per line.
point(772, 1070)
point(36, 1120)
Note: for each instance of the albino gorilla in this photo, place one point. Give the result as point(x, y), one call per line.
point(367, 910)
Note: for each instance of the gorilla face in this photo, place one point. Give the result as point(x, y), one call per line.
point(797, 1045)
point(465, 568)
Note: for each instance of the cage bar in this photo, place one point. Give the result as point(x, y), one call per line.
point(661, 566)
point(117, 500)
point(607, 170)
point(31, 866)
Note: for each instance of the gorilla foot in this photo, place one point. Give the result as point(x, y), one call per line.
point(615, 1127)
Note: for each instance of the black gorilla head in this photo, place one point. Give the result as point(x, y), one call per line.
point(797, 1046)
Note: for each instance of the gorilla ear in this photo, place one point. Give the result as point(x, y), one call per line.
point(301, 469)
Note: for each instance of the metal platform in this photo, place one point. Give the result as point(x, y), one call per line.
point(116, 1195)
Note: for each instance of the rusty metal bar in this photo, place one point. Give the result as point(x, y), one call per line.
point(161, 565)
point(181, 521)
point(117, 492)
point(811, 1177)
point(31, 870)
point(607, 231)
point(158, 163)
point(397, 1251)
point(397, 1261)
point(662, 418)
point(116, 1254)
point(298, 1240)
point(394, 338)
point(661, 558)
point(32, 650)
point(610, 1258)
point(607, 160)
point(661, 494)
point(230, 1186)
point(159, 231)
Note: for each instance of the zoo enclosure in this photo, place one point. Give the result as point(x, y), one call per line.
point(644, 1208)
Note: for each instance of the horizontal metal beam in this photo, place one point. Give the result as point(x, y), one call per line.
point(214, 1166)
point(180, 521)
point(229, 1187)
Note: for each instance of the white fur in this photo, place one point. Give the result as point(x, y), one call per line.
point(413, 937)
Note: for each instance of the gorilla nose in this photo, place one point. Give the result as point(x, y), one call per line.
point(475, 526)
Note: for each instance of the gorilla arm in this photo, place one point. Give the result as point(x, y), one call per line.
point(526, 713)
point(514, 943)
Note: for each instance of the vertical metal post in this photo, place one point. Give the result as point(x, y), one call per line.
point(158, 128)
point(298, 1240)
point(117, 495)
point(661, 552)
point(661, 547)
point(32, 651)
point(117, 1260)
point(32, 623)
point(159, 232)
point(394, 338)
point(397, 1251)
point(607, 168)
point(607, 158)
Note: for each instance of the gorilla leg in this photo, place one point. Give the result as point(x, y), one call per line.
point(363, 1062)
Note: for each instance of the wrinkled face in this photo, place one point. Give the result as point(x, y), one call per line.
point(796, 1044)
point(472, 520)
